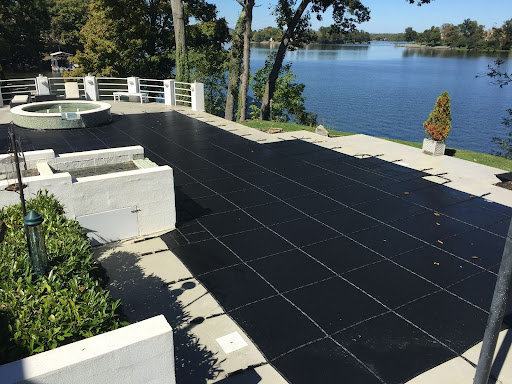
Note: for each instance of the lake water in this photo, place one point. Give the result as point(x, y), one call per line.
point(388, 91)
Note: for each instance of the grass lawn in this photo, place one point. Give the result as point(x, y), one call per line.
point(475, 157)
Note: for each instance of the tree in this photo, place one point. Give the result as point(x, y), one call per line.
point(24, 33)
point(294, 19)
point(410, 34)
point(330, 35)
point(288, 105)
point(438, 124)
point(235, 67)
point(502, 78)
point(267, 34)
point(239, 69)
point(113, 39)
point(67, 19)
point(209, 61)
point(182, 65)
point(472, 34)
point(432, 36)
point(246, 73)
point(507, 35)
point(451, 34)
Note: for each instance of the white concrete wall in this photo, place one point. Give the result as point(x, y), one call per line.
point(139, 353)
point(151, 190)
point(76, 160)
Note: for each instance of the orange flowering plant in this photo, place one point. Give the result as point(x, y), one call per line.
point(438, 125)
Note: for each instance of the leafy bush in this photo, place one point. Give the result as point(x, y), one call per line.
point(67, 304)
point(288, 102)
point(438, 125)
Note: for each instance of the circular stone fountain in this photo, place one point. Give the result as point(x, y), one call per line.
point(61, 114)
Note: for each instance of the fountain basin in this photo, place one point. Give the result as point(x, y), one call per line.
point(63, 114)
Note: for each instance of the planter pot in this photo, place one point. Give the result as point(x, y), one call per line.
point(433, 147)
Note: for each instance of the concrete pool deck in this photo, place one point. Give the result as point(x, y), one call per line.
point(160, 266)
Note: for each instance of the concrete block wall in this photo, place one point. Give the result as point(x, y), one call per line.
point(139, 353)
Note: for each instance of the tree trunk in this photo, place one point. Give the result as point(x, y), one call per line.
point(235, 67)
point(278, 62)
point(244, 86)
point(178, 18)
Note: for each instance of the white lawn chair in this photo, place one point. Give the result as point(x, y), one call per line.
point(71, 91)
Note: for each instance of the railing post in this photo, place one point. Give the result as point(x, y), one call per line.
point(1, 97)
point(170, 92)
point(498, 307)
point(91, 88)
point(42, 85)
point(133, 84)
point(197, 97)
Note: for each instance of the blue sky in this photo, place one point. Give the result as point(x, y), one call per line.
point(392, 16)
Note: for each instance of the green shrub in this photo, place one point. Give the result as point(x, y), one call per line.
point(438, 125)
point(67, 304)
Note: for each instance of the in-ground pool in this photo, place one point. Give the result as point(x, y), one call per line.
point(61, 114)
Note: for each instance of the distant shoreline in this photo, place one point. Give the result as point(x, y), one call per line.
point(415, 45)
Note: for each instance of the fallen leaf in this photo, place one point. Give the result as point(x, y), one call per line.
point(438, 224)
point(475, 257)
point(437, 214)
point(406, 193)
point(436, 263)
point(440, 242)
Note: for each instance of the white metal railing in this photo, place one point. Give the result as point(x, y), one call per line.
point(108, 85)
point(153, 88)
point(169, 92)
point(12, 87)
point(183, 92)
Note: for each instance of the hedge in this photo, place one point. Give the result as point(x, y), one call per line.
point(69, 303)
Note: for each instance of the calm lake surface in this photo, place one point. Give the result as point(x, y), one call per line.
point(388, 91)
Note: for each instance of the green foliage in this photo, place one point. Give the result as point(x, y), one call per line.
point(288, 102)
point(438, 124)
point(265, 34)
point(331, 35)
point(432, 36)
point(66, 305)
point(388, 36)
point(113, 40)
point(502, 78)
point(410, 34)
point(505, 144)
point(24, 26)
point(209, 61)
point(67, 19)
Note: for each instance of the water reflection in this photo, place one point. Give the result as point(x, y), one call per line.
point(313, 52)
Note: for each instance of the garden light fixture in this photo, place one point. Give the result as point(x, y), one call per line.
point(36, 246)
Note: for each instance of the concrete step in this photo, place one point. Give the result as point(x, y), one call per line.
point(144, 163)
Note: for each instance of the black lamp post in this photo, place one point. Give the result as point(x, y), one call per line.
point(36, 246)
point(31, 221)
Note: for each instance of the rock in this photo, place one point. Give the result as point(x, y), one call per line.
point(275, 130)
point(320, 130)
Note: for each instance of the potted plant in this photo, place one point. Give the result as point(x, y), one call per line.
point(438, 126)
